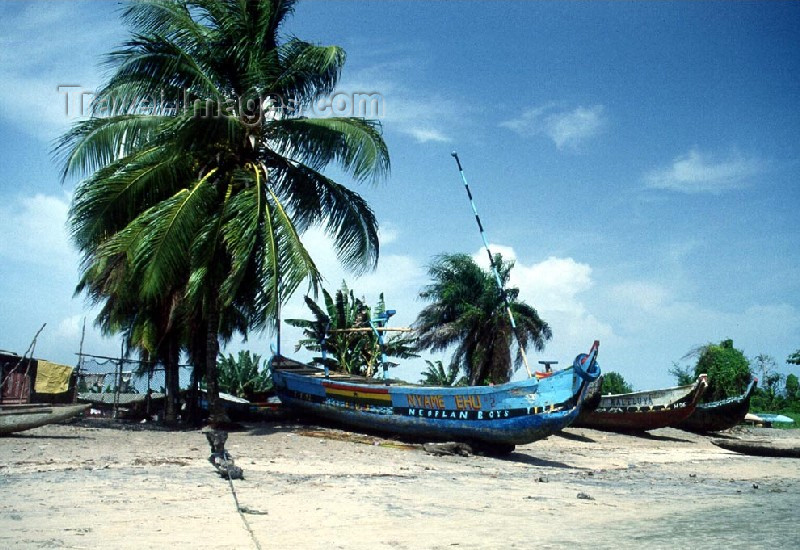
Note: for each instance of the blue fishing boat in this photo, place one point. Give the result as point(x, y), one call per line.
point(500, 416)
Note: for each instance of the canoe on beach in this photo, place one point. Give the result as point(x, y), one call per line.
point(760, 447)
point(18, 418)
point(501, 416)
point(720, 415)
point(644, 410)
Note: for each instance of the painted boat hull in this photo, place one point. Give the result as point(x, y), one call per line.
point(508, 414)
point(646, 410)
point(18, 418)
point(720, 415)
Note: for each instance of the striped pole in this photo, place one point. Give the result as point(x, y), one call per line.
point(494, 266)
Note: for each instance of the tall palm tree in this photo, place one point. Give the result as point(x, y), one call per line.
point(467, 310)
point(201, 182)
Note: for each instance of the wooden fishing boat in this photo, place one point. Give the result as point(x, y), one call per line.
point(786, 448)
point(594, 393)
point(720, 415)
point(499, 416)
point(20, 417)
point(644, 410)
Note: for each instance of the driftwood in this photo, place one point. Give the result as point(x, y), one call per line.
point(220, 458)
point(774, 448)
point(447, 449)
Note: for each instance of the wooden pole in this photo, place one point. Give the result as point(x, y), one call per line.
point(494, 267)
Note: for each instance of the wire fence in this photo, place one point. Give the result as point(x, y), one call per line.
point(98, 374)
point(125, 386)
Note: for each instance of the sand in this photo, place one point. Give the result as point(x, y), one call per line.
point(78, 486)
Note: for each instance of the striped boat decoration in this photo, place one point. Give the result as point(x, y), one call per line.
point(358, 396)
point(503, 415)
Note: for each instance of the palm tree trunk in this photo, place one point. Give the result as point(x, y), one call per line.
point(171, 381)
point(215, 409)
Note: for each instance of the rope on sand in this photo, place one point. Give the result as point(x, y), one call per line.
point(241, 515)
point(226, 468)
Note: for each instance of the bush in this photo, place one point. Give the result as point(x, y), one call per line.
point(613, 382)
point(241, 376)
point(727, 368)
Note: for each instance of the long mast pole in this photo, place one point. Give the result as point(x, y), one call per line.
point(494, 266)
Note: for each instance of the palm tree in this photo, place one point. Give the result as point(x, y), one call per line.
point(351, 352)
point(467, 310)
point(150, 328)
point(199, 178)
point(436, 375)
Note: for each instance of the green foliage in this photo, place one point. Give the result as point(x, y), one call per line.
point(355, 352)
point(436, 375)
point(242, 377)
point(683, 375)
point(794, 414)
point(768, 395)
point(792, 388)
point(613, 382)
point(466, 311)
point(727, 368)
point(794, 359)
point(188, 212)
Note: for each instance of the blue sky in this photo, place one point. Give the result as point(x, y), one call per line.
point(640, 162)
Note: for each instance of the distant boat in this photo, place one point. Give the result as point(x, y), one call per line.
point(786, 448)
point(20, 417)
point(500, 416)
point(775, 418)
point(720, 415)
point(644, 410)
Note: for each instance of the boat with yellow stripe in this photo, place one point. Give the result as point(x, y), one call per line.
point(502, 416)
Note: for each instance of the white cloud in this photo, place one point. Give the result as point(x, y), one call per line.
point(70, 328)
point(698, 172)
point(34, 232)
point(553, 286)
point(642, 296)
point(656, 326)
point(567, 128)
point(34, 69)
point(418, 113)
point(424, 135)
point(388, 233)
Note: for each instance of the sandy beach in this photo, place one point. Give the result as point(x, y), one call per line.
point(305, 486)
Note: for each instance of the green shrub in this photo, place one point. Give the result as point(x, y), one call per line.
point(727, 368)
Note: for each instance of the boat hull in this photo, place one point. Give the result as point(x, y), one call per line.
point(18, 418)
point(776, 448)
point(509, 414)
point(719, 415)
point(643, 411)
